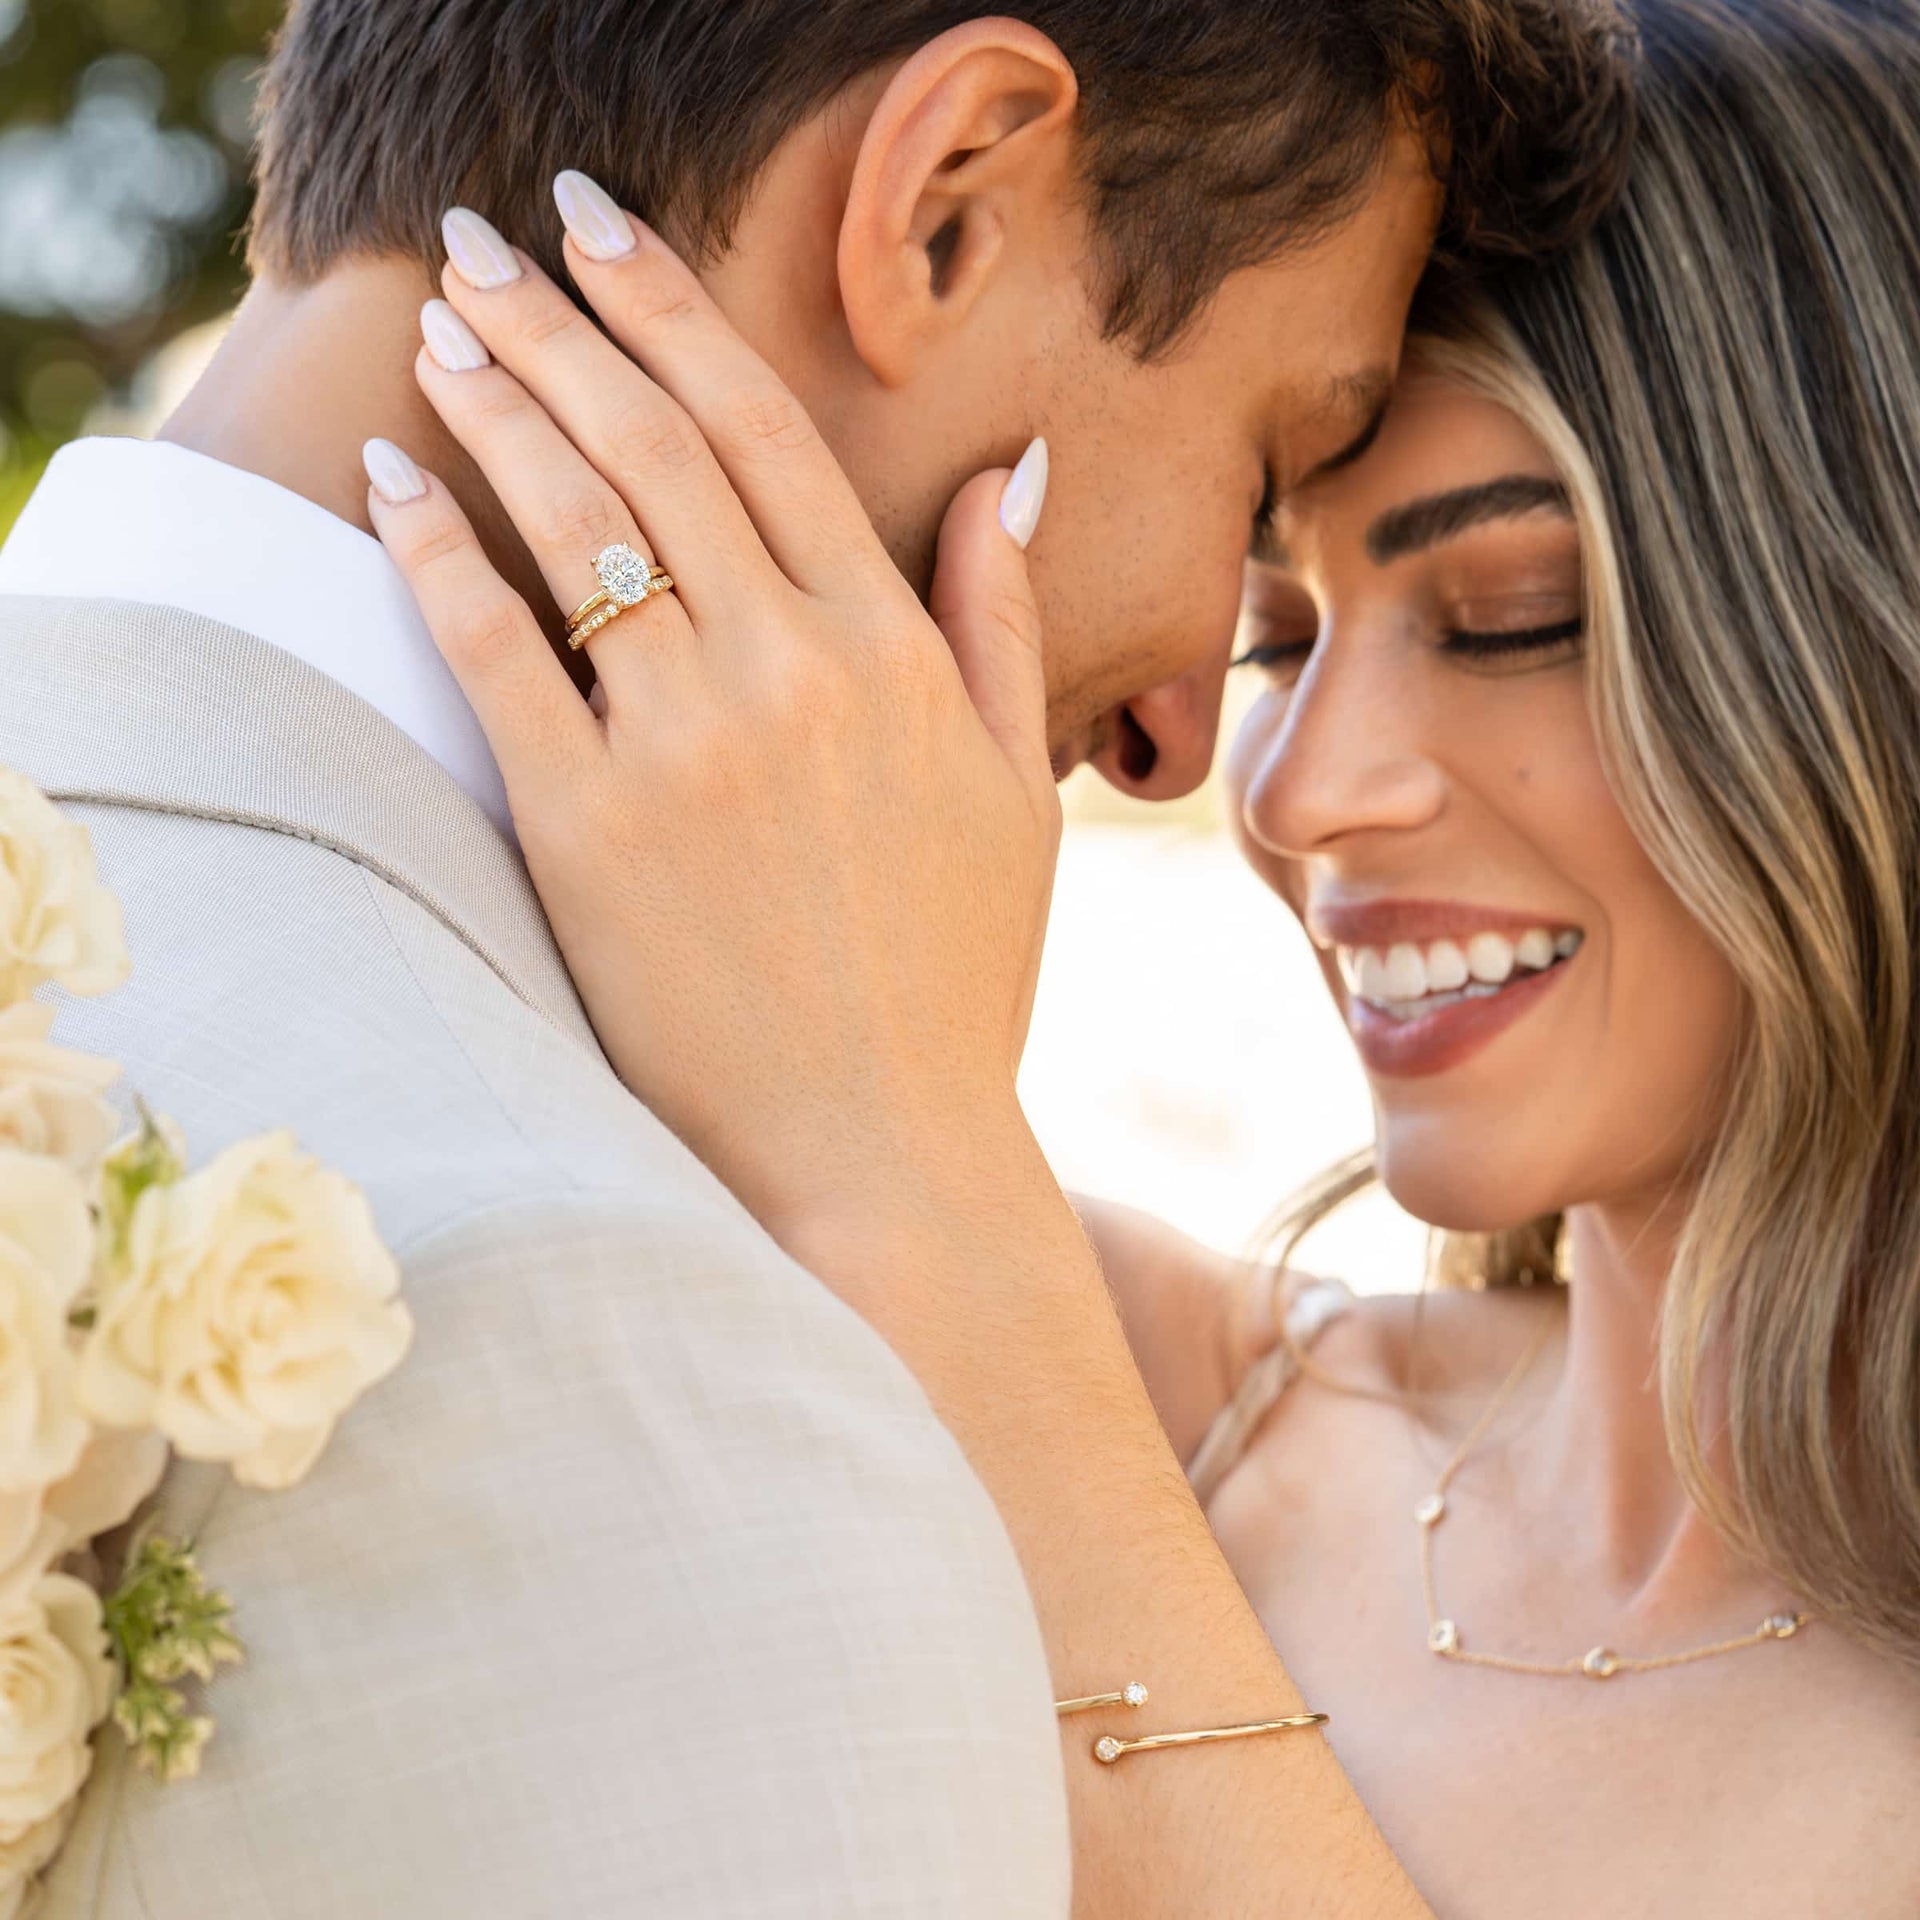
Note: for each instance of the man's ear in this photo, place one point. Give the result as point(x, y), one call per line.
point(970, 146)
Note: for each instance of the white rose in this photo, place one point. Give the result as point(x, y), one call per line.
point(50, 1097)
point(46, 1254)
point(116, 1471)
point(254, 1305)
point(56, 1684)
point(23, 1853)
point(57, 922)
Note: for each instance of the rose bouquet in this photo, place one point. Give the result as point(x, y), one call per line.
point(231, 1314)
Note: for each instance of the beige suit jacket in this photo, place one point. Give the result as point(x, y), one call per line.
point(650, 1585)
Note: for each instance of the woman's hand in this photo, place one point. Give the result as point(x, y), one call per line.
point(798, 859)
point(799, 852)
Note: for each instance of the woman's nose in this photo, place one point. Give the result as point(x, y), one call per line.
point(1346, 757)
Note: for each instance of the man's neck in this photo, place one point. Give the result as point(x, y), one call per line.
point(307, 375)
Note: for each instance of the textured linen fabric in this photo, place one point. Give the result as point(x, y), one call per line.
point(649, 1585)
point(195, 533)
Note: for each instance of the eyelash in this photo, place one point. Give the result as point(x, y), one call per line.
point(1474, 646)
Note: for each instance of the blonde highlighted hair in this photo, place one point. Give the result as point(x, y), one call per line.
point(1728, 375)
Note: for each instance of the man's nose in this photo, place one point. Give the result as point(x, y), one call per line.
point(1162, 746)
point(1348, 756)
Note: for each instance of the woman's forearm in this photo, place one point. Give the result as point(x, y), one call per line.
point(1184, 1309)
point(983, 1281)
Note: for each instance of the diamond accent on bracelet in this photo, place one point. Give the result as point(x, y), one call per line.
point(1106, 1749)
point(1783, 1626)
point(1443, 1637)
point(1429, 1511)
point(623, 574)
point(1135, 1694)
point(1602, 1663)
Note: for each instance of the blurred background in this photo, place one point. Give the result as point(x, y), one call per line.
point(1184, 1058)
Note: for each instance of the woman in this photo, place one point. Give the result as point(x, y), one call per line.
point(1588, 760)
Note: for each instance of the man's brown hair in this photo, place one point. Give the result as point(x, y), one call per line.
point(1213, 133)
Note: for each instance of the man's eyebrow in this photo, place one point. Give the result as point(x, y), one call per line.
point(1368, 393)
point(1423, 523)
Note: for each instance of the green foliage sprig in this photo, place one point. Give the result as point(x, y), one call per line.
point(167, 1626)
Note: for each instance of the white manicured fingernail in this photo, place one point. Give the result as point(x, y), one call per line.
point(1025, 495)
point(600, 230)
point(453, 344)
point(480, 256)
point(395, 478)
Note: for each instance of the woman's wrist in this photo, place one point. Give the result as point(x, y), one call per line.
point(972, 1207)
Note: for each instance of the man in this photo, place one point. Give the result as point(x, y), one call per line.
point(650, 1584)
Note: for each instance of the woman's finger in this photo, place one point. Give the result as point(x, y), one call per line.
point(982, 600)
point(653, 304)
point(531, 713)
point(638, 437)
point(564, 510)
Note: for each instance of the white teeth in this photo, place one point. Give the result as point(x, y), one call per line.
point(1490, 958)
point(1534, 949)
point(1407, 978)
point(1406, 973)
point(1446, 968)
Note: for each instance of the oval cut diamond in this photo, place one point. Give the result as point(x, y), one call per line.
point(623, 574)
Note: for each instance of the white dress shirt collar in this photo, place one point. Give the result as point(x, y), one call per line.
point(151, 522)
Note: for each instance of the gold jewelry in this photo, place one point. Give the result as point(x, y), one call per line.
point(1133, 1694)
point(1107, 1749)
point(626, 579)
point(1598, 1663)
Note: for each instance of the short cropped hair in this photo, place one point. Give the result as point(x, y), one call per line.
point(1213, 134)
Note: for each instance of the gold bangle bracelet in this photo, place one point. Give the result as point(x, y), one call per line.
point(1133, 1694)
point(1107, 1749)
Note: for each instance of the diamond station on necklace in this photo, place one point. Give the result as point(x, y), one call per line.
point(624, 575)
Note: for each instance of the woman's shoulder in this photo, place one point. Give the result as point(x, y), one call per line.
point(1333, 1365)
point(1443, 1341)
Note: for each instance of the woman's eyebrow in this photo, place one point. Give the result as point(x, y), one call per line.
point(1421, 523)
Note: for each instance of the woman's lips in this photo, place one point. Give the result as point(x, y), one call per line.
point(1432, 1042)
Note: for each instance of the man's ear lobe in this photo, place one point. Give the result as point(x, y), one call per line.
point(968, 154)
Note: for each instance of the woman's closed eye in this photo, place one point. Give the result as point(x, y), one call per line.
point(1276, 656)
point(1279, 623)
point(1492, 647)
point(1534, 645)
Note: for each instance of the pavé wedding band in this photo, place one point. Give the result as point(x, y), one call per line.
point(625, 580)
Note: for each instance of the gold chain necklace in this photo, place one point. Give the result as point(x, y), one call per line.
point(1598, 1663)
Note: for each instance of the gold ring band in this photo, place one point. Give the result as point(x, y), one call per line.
point(626, 578)
point(586, 607)
point(608, 610)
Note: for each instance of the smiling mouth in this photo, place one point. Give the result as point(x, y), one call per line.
point(1408, 982)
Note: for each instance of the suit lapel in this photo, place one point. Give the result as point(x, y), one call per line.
point(123, 704)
